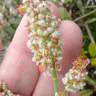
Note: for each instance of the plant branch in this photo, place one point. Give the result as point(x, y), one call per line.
point(81, 17)
point(89, 33)
point(90, 7)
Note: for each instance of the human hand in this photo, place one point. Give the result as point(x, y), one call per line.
point(21, 75)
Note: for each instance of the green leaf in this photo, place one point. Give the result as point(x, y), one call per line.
point(64, 14)
point(92, 50)
point(80, 6)
point(86, 92)
point(90, 80)
point(18, 1)
point(93, 62)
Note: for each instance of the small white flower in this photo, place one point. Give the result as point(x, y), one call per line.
point(50, 29)
point(47, 73)
point(41, 22)
point(36, 10)
point(12, 10)
point(24, 1)
point(55, 34)
point(8, 3)
point(49, 61)
point(36, 2)
point(28, 10)
point(63, 1)
point(32, 19)
point(49, 44)
point(40, 32)
point(30, 35)
point(53, 23)
point(40, 16)
point(73, 80)
point(64, 80)
point(59, 58)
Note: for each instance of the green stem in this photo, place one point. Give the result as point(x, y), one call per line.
point(81, 17)
point(93, 6)
point(55, 79)
point(89, 33)
point(91, 21)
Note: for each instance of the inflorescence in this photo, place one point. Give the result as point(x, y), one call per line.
point(74, 79)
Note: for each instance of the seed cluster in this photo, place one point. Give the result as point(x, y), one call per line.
point(44, 39)
point(74, 79)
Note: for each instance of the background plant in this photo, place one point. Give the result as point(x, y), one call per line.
point(8, 20)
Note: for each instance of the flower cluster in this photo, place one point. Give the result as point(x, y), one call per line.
point(4, 91)
point(44, 39)
point(74, 79)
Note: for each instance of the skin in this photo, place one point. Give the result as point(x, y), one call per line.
point(22, 75)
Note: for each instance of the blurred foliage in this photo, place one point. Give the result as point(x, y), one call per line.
point(83, 12)
point(8, 20)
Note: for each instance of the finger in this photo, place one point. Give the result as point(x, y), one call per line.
point(17, 70)
point(72, 38)
point(21, 36)
point(54, 9)
point(44, 86)
point(1, 94)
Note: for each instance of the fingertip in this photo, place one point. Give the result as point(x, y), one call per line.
point(44, 86)
point(21, 36)
point(71, 35)
point(54, 9)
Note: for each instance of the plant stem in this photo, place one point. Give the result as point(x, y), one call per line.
point(81, 17)
point(91, 21)
point(90, 6)
point(89, 33)
point(55, 80)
